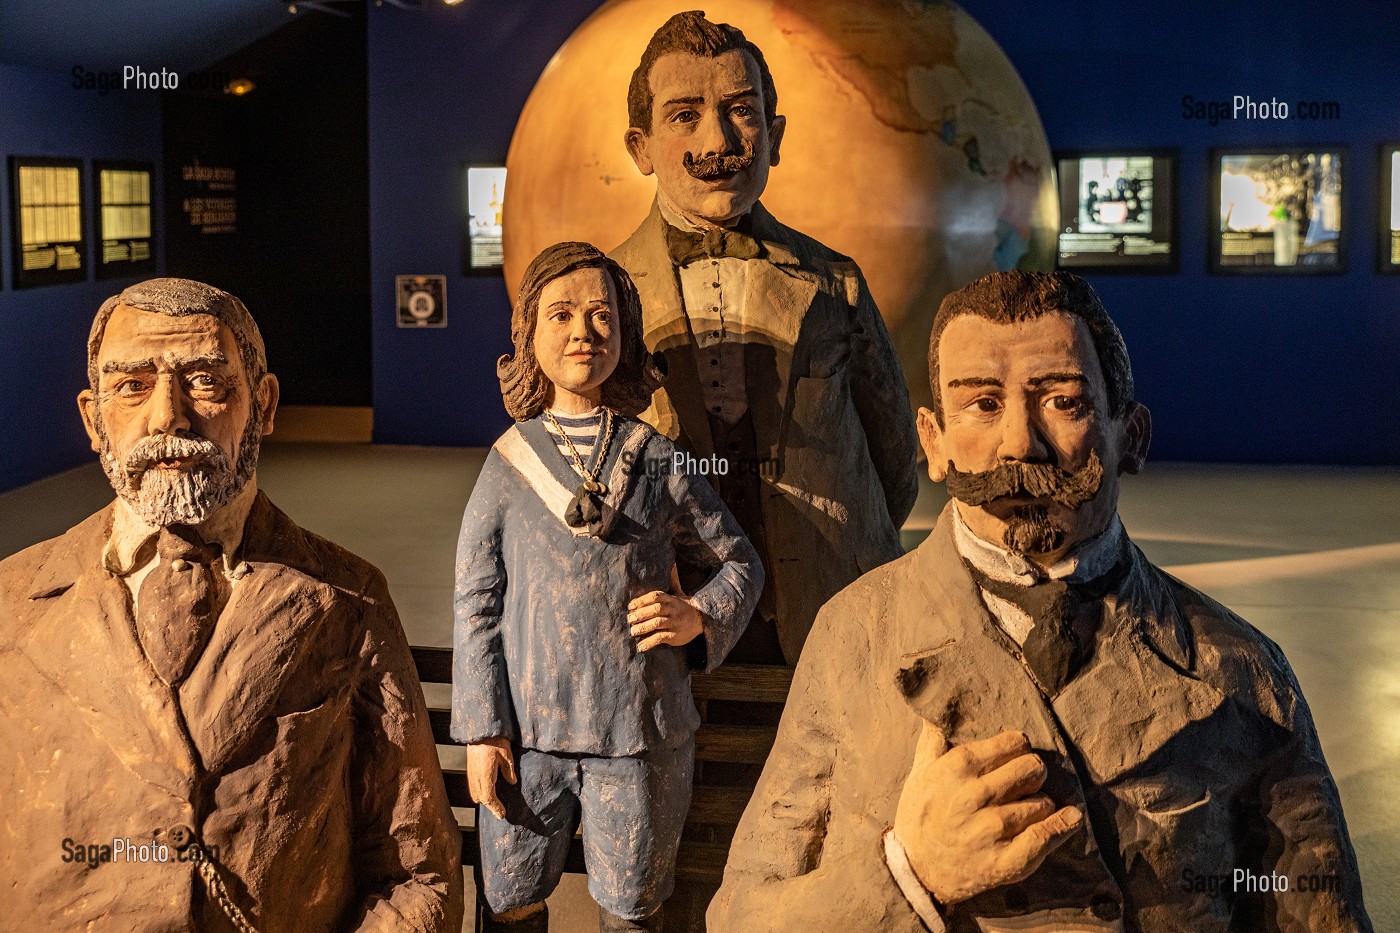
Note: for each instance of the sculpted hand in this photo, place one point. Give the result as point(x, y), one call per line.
point(486, 760)
point(665, 619)
point(969, 818)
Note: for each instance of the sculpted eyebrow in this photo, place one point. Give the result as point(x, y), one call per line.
point(684, 100)
point(1057, 377)
point(742, 92)
point(974, 381)
point(128, 366)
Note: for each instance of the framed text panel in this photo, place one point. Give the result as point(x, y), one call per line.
point(47, 221)
point(124, 195)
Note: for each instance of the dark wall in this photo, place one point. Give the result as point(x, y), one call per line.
point(1247, 370)
point(43, 331)
point(299, 258)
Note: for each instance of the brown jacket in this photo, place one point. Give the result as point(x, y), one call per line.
point(298, 750)
point(1186, 737)
point(828, 400)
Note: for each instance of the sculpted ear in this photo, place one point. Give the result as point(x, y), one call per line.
point(87, 407)
point(636, 142)
point(1137, 437)
point(775, 138)
point(931, 439)
point(268, 394)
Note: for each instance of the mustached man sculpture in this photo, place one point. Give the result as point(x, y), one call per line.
point(778, 359)
point(1023, 724)
point(209, 716)
point(572, 653)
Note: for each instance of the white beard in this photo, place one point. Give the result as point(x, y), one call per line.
point(174, 497)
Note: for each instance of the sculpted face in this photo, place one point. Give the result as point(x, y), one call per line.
point(171, 414)
point(577, 340)
point(1026, 410)
point(709, 144)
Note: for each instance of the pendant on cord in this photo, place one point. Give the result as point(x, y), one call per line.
point(585, 509)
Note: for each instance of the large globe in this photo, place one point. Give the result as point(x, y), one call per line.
point(912, 146)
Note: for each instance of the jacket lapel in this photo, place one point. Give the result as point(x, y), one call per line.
point(666, 330)
point(262, 635)
point(85, 643)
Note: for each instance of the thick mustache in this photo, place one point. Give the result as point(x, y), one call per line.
point(1040, 480)
point(714, 166)
point(149, 450)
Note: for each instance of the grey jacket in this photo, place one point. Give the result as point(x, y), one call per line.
point(543, 652)
point(1186, 739)
point(829, 404)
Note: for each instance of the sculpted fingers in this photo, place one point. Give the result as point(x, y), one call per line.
point(666, 637)
point(1015, 779)
point(644, 600)
point(1025, 853)
point(977, 758)
point(1010, 819)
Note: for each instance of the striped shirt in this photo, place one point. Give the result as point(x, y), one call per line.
point(582, 431)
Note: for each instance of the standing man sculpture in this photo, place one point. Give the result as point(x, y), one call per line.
point(210, 716)
point(1023, 724)
point(778, 360)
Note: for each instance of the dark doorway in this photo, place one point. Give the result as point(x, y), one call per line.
point(267, 197)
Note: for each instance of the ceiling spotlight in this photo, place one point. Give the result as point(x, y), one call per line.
point(451, 2)
point(239, 86)
point(291, 8)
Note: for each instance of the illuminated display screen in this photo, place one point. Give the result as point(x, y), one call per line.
point(48, 221)
point(1277, 211)
point(124, 219)
point(1389, 248)
point(1118, 211)
point(485, 194)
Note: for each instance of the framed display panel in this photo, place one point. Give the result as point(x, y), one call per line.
point(1118, 210)
point(1277, 211)
point(125, 231)
point(46, 196)
point(1388, 247)
point(483, 194)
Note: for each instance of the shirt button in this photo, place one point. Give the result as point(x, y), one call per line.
point(179, 565)
point(714, 333)
point(714, 285)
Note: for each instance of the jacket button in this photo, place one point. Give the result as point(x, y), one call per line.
point(1105, 907)
point(180, 835)
point(179, 565)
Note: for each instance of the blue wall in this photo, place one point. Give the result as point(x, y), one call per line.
point(1261, 369)
point(43, 331)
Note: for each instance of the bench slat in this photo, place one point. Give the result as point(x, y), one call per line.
point(760, 683)
point(746, 745)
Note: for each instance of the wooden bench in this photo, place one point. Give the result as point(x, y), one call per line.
point(728, 757)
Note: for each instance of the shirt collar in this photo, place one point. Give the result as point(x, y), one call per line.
point(1089, 560)
point(132, 542)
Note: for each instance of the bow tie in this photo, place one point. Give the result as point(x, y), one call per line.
point(686, 247)
point(1066, 617)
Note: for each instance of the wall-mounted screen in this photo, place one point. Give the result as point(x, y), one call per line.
point(124, 224)
point(485, 189)
point(1277, 211)
point(47, 195)
point(1389, 211)
point(1118, 211)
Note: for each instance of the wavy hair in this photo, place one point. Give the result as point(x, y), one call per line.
point(524, 386)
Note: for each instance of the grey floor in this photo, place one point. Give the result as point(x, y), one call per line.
point(1311, 556)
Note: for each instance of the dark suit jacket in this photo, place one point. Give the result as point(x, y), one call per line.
point(829, 404)
point(1186, 738)
point(298, 749)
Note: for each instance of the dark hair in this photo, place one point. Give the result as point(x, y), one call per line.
point(1015, 296)
point(524, 386)
point(692, 32)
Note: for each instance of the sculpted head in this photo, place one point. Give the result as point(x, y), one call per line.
point(703, 117)
point(577, 329)
point(178, 398)
point(1034, 418)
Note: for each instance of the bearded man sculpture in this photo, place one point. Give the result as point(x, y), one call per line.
point(211, 716)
